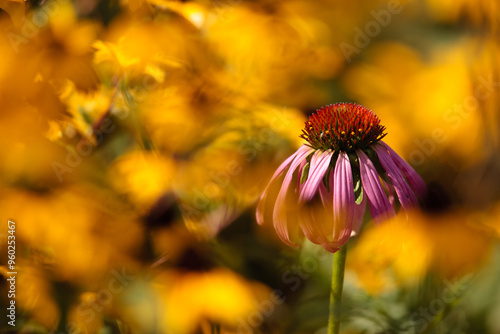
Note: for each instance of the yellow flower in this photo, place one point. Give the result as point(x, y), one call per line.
point(218, 295)
point(59, 48)
point(143, 176)
point(404, 250)
point(132, 47)
point(426, 123)
point(398, 244)
point(26, 154)
point(34, 296)
point(290, 47)
point(15, 8)
point(67, 227)
point(228, 173)
point(477, 11)
point(85, 109)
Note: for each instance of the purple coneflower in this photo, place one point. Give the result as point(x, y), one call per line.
point(343, 166)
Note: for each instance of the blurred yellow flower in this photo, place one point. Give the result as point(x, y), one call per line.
point(143, 176)
point(425, 123)
point(65, 226)
point(399, 244)
point(34, 296)
point(133, 47)
point(228, 174)
point(15, 8)
point(87, 316)
point(218, 296)
point(26, 154)
point(59, 49)
point(85, 109)
point(410, 246)
point(478, 12)
point(174, 121)
point(290, 47)
point(194, 12)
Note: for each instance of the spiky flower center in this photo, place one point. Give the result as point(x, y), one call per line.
point(344, 127)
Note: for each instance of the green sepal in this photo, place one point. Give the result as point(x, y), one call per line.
point(358, 191)
point(356, 177)
point(305, 173)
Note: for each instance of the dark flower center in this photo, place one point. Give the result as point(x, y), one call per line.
point(343, 127)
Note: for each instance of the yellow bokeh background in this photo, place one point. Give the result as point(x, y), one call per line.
point(136, 137)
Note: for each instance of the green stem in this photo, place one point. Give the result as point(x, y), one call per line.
point(336, 290)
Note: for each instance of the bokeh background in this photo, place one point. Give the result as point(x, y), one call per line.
point(137, 135)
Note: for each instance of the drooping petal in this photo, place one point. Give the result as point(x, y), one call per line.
point(280, 209)
point(319, 165)
point(390, 192)
point(414, 180)
point(329, 247)
point(380, 207)
point(325, 195)
point(343, 201)
point(332, 226)
point(312, 217)
point(317, 220)
point(300, 185)
point(405, 194)
point(281, 169)
point(316, 216)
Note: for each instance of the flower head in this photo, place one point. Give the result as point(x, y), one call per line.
point(343, 127)
point(329, 181)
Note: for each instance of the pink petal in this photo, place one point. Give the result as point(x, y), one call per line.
point(380, 207)
point(414, 180)
point(406, 196)
point(311, 221)
point(319, 165)
point(330, 247)
point(316, 218)
point(280, 210)
point(299, 175)
point(325, 195)
point(316, 222)
point(390, 193)
point(331, 226)
point(343, 200)
point(261, 206)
